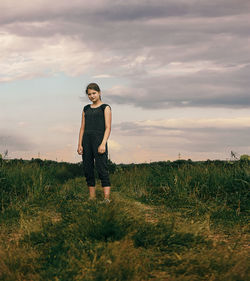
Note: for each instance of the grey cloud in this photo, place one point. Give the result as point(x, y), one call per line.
point(188, 139)
point(139, 11)
point(190, 31)
point(212, 140)
point(95, 28)
point(12, 142)
point(125, 10)
point(209, 89)
point(132, 129)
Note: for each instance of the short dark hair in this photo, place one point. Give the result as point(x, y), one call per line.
point(92, 86)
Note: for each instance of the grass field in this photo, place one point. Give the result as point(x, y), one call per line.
point(179, 220)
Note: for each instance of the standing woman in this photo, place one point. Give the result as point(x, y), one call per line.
point(94, 133)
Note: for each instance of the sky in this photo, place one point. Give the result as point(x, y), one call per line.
point(173, 72)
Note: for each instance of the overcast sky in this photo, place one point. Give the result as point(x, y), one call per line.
point(173, 72)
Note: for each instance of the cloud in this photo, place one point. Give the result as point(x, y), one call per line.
point(189, 135)
point(119, 10)
point(171, 53)
point(61, 55)
point(114, 145)
point(221, 123)
point(221, 87)
point(102, 76)
point(153, 127)
point(15, 143)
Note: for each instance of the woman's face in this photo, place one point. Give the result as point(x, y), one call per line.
point(93, 95)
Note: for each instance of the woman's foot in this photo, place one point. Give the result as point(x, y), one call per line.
point(106, 201)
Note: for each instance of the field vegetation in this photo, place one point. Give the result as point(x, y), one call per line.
point(178, 220)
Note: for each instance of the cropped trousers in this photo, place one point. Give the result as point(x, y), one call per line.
point(91, 158)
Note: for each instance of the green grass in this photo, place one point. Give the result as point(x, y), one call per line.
point(167, 221)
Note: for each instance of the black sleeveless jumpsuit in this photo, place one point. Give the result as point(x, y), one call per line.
point(92, 138)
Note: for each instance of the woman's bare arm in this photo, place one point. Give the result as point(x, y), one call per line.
point(81, 132)
point(108, 120)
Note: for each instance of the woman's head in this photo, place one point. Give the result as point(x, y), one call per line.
point(93, 91)
point(92, 86)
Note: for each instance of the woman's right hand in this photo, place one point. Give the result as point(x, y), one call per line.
point(80, 150)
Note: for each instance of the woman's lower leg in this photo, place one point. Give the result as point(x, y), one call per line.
point(106, 190)
point(91, 192)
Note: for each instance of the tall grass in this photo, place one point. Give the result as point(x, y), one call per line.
point(225, 183)
point(198, 228)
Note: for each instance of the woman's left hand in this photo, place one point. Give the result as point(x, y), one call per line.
point(101, 148)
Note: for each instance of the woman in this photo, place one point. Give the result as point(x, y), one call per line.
point(94, 133)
